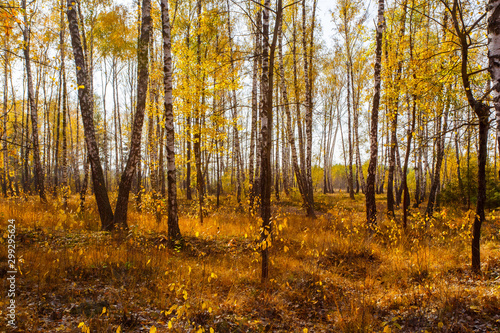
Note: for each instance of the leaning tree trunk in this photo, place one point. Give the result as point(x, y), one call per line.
point(371, 208)
point(482, 112)
point(87, 110)
point(38, 171)
point(135, 142)
point(174, 233)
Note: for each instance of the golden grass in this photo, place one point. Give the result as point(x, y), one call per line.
point(327, 274)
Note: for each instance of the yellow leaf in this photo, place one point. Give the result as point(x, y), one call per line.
point(148, 262)
point(119, 329)
point(305, 330)
point(81, 87)
point(172, 308)
point(209, 310)
point(212, 330)
point(81, 324)
point(196, 234)
point(103, 309)
point(152, 329)
point(387, 329)
point(285, 249)
point(440, 325)
point(170, 324)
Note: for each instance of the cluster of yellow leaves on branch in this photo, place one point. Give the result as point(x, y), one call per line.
point(204, 75)
point(424, 51)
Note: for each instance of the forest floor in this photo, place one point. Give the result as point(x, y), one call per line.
point(326, 274)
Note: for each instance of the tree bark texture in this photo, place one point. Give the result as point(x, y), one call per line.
point(87, 110)
point(121, 209)
point(371, 208)
point(174, 232)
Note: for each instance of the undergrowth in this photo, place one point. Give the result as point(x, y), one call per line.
point(327, 274)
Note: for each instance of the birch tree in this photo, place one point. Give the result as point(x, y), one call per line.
point(371, 208)
point(85, 97)
point(174, 232)
point(120, 218)
point(493, 8)
point(38, 170)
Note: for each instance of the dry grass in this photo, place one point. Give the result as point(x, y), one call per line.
point(327, 274)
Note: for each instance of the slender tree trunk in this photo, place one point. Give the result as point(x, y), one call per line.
point(188, 139)
point(350, 179)
point(234, 107)
point(105, 121)
point(266, 131)
point(135, 142)
point(298, 120)
point(494, 58)
point(38, 170)
point(371, 208)
point(200, 181)
point(65, 186)
point(483, 113)
point(57, 134)
point(83, 190)
point(138, 190)
point(359, 165)
point(439, 160)
point(457, 157)
point(308, 103)
point(404, 184)
point(255, 107)
point(5, 168)
point(24, 141)
point(291, 139)
point(481, 110)
point(153, 144)
point(161, 170)
point(174, 232)
point(115, 121)
point(418, 166)
point(87, 109)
